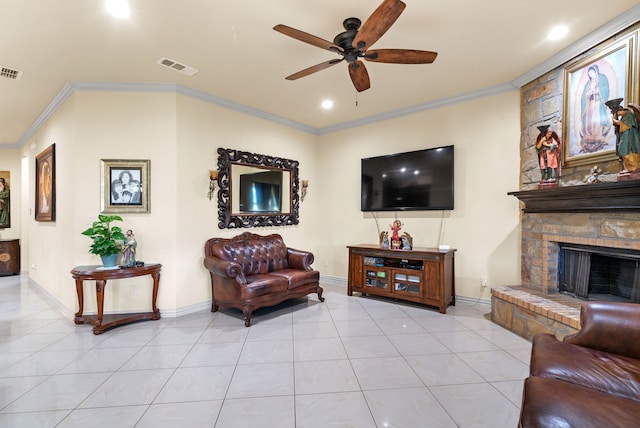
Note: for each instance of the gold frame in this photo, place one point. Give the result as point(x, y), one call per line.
point(609, 60)
point(138, 171)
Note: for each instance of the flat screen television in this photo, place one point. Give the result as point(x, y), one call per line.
point(410, 181)
point(261, 192)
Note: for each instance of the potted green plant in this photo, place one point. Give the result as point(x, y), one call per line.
point(106, 239)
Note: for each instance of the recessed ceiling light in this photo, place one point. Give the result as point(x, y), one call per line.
point(558, 32)
point(327, 104)
point(118, 8)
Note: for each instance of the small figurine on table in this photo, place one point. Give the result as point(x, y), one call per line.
point(384, 239)
point(129, 250)
point(592, 178)
point(407, 241)
point(548, 148)
point(396, 226)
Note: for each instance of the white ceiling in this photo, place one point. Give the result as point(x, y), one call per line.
point(483, 46)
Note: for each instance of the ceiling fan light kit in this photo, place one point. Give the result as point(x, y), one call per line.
point(354, 42)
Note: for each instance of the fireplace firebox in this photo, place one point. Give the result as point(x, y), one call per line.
point(599, 273)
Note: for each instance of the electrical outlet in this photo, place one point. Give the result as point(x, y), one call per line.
point(133, 290)
point(483, 281)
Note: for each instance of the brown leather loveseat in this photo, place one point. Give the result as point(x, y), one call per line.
point(251, 271)
point(592, 378)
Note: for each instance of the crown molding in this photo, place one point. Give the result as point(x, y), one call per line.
point(70, 87)
point(444, 102)
point(223, 102)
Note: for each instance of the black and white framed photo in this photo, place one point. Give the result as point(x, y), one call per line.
point(125, 186)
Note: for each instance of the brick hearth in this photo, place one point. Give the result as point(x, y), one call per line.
point(527, 312)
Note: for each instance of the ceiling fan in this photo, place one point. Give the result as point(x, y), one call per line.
point(354, 43)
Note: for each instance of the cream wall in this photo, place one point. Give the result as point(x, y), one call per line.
point(50, 245)
point(484, 225)
point(88, 127)
point(202, 129)
point(180, 136)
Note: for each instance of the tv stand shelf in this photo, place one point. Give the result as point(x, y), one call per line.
point(421, 275)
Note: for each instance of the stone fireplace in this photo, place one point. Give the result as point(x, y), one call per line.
point(604, 218)
point(605, 214)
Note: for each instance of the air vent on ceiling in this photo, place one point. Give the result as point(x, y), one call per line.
point(10, 73)
point(174, 65)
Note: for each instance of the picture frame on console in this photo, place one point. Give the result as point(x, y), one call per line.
point(125, 186)
point(608, 73)
point(45, 191)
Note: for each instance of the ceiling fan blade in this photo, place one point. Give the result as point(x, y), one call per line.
point(401, 56)
point(307, 38)
point(313, 69)
point(359, 76)
point(378, 24)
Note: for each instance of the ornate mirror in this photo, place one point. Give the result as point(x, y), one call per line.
point(256, 190)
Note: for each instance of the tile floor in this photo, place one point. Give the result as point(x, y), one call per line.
point(347, 362)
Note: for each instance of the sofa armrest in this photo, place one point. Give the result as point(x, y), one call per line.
point(609, 327)
point(299, 259)
point(225, 269)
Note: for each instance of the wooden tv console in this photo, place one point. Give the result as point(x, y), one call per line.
point(421, 275)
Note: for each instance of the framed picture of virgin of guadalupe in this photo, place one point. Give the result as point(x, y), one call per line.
point(125, 186)
point(5, 200)
point(603, 75)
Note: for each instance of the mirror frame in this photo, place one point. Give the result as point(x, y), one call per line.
point(226, 218)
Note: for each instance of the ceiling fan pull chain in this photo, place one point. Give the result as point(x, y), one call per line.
point(356, 98)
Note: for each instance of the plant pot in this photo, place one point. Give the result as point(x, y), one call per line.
point(110, 260)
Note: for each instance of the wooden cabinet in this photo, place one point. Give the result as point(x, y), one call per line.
point(421, 275)
point(9, 257)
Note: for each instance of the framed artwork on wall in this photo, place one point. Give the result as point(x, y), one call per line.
point(5, 199)
point(125, 186)
point(46, 184)
point(606, 74)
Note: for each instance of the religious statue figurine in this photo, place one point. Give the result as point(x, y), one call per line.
point(592, 178)
point(549, 151)
point(384, 239)
point(129, 250)
point(407, 241)
point(625, 121)
point(396, 226)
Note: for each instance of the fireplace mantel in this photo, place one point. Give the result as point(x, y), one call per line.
point(599, 197)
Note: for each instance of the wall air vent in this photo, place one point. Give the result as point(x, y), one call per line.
point(10, 73)
point(174, 65)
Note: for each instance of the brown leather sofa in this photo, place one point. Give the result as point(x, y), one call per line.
point(251, 271)
point(592, 378)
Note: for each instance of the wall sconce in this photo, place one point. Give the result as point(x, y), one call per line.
point(213, 181)
point(305, 184)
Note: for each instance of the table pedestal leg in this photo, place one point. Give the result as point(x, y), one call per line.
point(154, 296)
point(100, 286)
point(79, 319)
